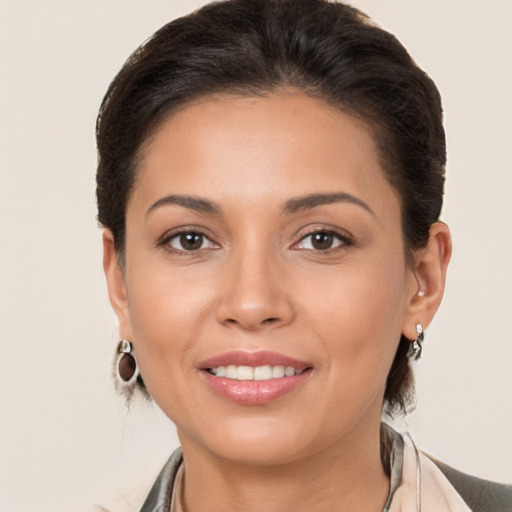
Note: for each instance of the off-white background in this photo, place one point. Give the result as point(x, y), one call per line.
point(65, 438)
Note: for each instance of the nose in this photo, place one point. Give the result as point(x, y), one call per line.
point(254, 294)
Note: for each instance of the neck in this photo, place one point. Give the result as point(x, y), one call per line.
point(347, 475)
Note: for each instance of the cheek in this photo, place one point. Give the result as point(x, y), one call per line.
point(165, 301)
point(168, 312)
point(358, 317)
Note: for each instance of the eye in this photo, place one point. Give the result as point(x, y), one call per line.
point(322, 241)
point(189, 241)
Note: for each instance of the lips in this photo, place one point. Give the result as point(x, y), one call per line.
point(261, 358)
point(253, 378)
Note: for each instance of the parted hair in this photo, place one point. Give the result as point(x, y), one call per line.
point(328, 50)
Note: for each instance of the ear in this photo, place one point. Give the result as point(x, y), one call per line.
point(116, 285)
point(428, 280)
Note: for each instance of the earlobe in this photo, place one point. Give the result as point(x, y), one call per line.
point(116, 285)
point(429, 272)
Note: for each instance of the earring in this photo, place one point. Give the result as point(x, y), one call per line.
point(416, 346)
point(126, 372)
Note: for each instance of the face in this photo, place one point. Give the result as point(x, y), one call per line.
point(262, 239)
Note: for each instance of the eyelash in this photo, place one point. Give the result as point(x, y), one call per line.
point(166, 240)
point(344, 239)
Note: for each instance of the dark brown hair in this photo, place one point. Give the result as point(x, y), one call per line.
point(254, 47)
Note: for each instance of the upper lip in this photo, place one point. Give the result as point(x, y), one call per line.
point(260, 358)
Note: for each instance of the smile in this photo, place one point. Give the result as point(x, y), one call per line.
point(266, 372)
point(254, 378)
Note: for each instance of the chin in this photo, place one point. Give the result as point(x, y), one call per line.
point(266, 452)
point(253, 442)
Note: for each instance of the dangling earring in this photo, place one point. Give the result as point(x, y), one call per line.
point(126, 372)
point(416, 346)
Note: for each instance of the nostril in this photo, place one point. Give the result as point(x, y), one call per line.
point(266, 321)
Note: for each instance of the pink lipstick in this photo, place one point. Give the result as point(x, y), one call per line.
point(254, 378)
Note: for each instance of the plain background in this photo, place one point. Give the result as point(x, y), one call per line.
point(66, 439)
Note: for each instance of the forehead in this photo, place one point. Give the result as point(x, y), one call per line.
point(259, 148)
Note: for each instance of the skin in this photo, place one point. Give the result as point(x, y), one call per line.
point(258, 283)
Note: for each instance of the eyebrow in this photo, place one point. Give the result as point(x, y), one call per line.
point(311, 201)
point(193, 203)
point(294, 205)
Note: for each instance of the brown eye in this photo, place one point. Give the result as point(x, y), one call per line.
point(322, 241)
point(189, 242)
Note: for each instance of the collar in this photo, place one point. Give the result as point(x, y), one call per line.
point(416, 484)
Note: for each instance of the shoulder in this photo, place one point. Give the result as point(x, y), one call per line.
point(148, 496)
point(480, 495)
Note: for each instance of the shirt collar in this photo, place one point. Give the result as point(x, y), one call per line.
point(160, 497)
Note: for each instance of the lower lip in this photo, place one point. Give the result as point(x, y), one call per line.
point(254, 392)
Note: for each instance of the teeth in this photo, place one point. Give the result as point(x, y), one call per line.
point(245, 373)
point(289, 371)
point(266, 372)
point(263, 372)
point(231, 371)
point(277, 372)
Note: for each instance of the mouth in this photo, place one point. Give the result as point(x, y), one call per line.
point(254, 378)
point(260, 373)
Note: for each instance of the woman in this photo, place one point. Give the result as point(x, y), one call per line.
point(270, 181)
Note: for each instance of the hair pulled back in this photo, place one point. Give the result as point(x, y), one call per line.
point(255, 47)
